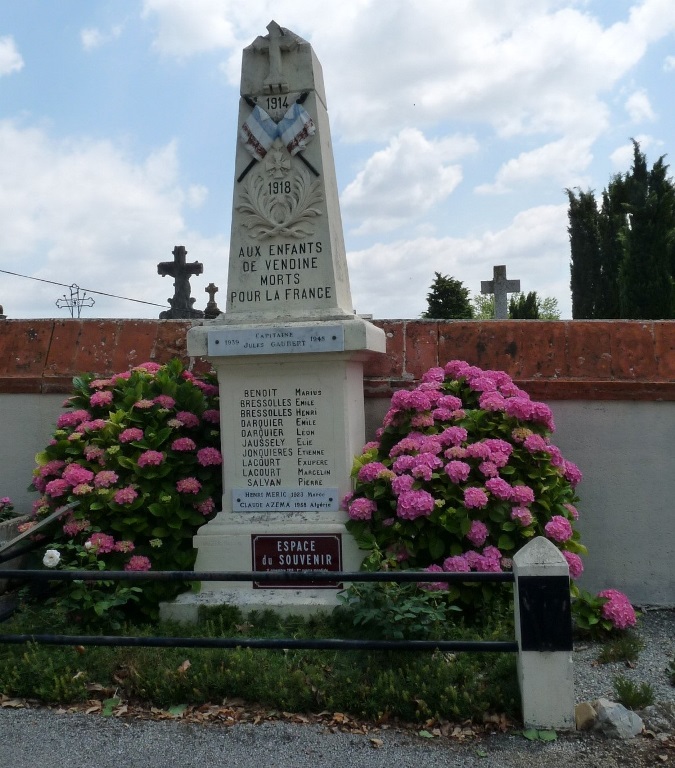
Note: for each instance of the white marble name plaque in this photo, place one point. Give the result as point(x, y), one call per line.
point(285, 499)
point(282, 340)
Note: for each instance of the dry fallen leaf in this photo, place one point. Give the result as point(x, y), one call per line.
point(184, 667)
point(14, 703)
point(376, 743)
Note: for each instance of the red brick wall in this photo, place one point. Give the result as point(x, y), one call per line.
point(566, 360)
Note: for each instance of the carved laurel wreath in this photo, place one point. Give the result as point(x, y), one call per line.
point(290, 214)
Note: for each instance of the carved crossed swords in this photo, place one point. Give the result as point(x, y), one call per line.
point(252, 103)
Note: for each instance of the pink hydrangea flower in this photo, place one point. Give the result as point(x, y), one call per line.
point(488, 469)
point(522, 515)
point(124, 546)
point(138, 563)
point(209, 457)
point(105, 478)
point(101, 399)
point(183, 444)
point(370, 472)
point(73, 527)
point(475, 498)
point(453, 436)
point(206, 507)
point(518, 408)
point(150, 458)
point(572, 473)
point(94, 453)
point(618, 609)
point(414, 504)
point(91, 426)
point(72, 419)
point(572, 510)
point(188, 485)
point(499, 488)
point(558, 528)
point(402, 483)
point(434, 375)
point(52, 467)
point(148, 367)
point(361, 509)
point(100, 383)
point(101, 542)
point(522, 494)
point(144, 404)
point(422, 420)
point(344, 504)
point(74, 474)
point(165, 401)
point(56, 488)
point(536, 444)
point(130, 435)
point(477, 533)
point(125, 495)
point(479, 451)
point(211, 416)
point(457, 471)
point(187, 419)
point(492, 401)
point(575, 564)
point(404, 463)
point(456, 564)
point(82, 489)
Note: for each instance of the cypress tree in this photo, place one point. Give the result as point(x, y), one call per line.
point(585, 253)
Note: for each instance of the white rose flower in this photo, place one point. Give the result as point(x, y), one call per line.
point(51, 558)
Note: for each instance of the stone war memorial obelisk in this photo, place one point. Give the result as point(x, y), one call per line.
point(288, 350)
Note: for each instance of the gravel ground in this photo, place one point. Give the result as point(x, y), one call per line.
point(43, 738)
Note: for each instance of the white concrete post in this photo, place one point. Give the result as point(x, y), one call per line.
point(544, 635)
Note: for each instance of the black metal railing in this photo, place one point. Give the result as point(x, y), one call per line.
point(493, 646)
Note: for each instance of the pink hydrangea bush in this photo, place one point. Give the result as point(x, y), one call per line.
point(140, 453)
point(462, 475)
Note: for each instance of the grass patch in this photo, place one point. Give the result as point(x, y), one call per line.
point(632, 695)
point(411, 686)
point(625, 648)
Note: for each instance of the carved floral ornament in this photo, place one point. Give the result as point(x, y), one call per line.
point(277, 199)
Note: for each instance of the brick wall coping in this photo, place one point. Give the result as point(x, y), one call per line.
point(552, 360)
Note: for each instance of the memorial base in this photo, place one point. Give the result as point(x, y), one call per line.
point(289, 546)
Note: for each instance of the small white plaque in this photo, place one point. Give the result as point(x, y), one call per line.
point(282, 340)
point(285, 499)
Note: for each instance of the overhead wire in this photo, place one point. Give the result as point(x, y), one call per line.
point(86, 290)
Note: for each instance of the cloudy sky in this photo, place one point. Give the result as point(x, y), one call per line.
point(457, 125)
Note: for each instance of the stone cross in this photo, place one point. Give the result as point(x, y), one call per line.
point(499, 286)
point(278, 41)
point(180, 270)
point(211, 310)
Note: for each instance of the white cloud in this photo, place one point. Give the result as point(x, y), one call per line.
point(563, 161)
point(92, 37)
point(392, 279)
point(639, 107)
point(10, 58)
point(90, 215)
point(405, 180)
point(669, 64)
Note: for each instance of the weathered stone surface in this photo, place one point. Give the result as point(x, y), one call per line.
point(615, 721)
point(585, 716)
point(660, 717)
